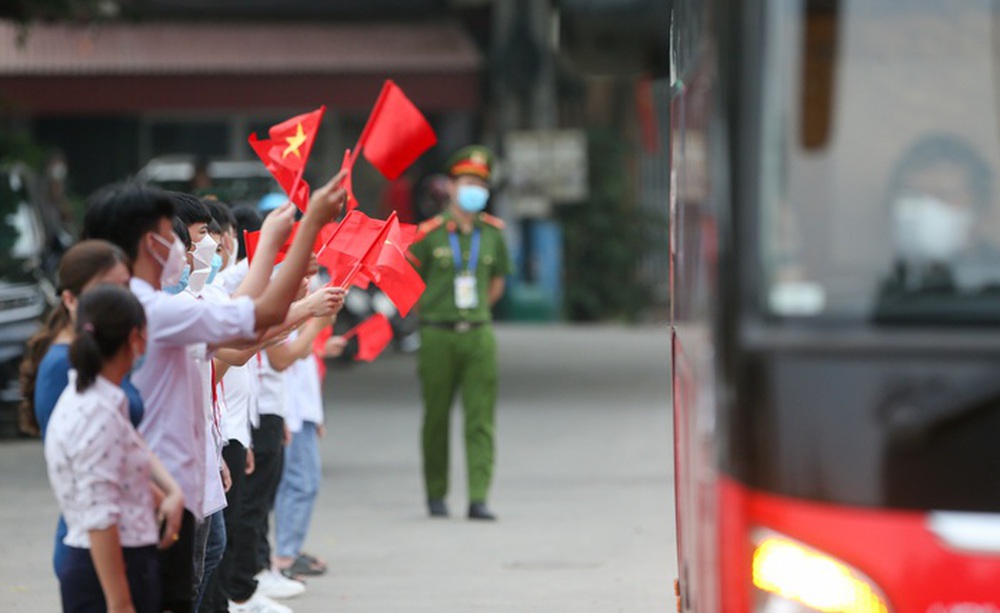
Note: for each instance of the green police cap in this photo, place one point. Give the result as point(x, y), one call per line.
point(475, 160)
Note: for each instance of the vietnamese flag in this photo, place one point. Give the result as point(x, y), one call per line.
point(348, 182)
point(374, 335)
point(393, 273)
point(340, 266)
point(370, 258)
point(251, 239)
point(396, 133)
point(286, 153)
point(345, 250)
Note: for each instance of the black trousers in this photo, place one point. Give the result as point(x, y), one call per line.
point(81, 590)
point(232, 581)
point(261, 488)
point(177, 569)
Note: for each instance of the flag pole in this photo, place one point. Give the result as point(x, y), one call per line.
point(368, 125)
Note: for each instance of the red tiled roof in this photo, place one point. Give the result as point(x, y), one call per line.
point(120, 49)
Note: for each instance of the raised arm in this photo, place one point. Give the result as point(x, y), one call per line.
point(325, 205)
point(284, 355)
point(273, 234)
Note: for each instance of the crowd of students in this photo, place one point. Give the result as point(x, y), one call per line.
point(176, 389)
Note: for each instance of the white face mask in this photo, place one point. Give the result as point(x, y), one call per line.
point(928, 229)
point(204, 251)
point(173, 266)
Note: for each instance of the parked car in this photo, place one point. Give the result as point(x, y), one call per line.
point(234, 181)
point(30, 248)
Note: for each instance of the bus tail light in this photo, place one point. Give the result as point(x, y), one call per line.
point(792, 577)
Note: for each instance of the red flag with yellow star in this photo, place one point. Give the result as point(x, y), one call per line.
point(348, 183)
point(286, 153)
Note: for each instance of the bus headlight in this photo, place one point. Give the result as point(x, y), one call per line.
point(794, 577)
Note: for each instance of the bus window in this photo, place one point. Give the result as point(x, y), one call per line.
point(882, 206)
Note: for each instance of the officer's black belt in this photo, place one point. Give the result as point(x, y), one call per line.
point(455, 326)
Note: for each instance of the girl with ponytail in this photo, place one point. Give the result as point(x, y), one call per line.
point(46, 365)
point(101, 470)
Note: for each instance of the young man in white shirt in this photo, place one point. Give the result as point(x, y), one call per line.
point(139, 220)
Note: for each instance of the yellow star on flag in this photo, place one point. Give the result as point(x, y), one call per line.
point(294, 142)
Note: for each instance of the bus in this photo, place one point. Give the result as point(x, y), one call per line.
point(835, 284)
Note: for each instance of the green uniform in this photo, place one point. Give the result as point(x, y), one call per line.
point(457, 346)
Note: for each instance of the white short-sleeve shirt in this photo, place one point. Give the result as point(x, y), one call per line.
point(304, 394)
point(171, 383)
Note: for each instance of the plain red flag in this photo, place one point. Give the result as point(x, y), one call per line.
point(286, 153)
point(396, 133)
point(374, 335)
point(347, 244)
point(319, 350)
point(398, 280)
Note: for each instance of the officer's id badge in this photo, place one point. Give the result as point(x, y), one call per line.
point(466, 296)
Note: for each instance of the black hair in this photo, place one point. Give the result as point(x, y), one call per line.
point(181, 230)
point(221, 213)
point(105, 317)
point(190, 209)
point(122, 213)
point(214, 227)
point(248, 219)
point(79, 265)
point(934, 149)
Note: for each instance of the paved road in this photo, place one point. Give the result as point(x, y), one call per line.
point(583, 490)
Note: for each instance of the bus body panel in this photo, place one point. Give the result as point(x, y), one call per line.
point(896, 549)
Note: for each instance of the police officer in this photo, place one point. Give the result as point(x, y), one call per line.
point(463, 260)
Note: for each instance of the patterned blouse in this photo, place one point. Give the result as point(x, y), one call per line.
point(99, 466)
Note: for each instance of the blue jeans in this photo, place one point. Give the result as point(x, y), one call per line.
point(297, 493)
point(215, 546)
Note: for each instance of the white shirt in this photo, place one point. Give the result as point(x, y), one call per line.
point(304, 394)
point(230, 278)
point(171, 384)
point(239, 400)
point(99, 467)
point(215, 491)
point(271, 388)
point(236, 392)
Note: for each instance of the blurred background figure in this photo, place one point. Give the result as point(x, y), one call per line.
point(940, 198)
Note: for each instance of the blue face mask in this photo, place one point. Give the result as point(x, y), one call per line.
point(181, 285)
point(472, 198)
point(216, 265)
point(137, 364)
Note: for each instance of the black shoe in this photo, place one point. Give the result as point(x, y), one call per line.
point(437, 507)
point(478, 510)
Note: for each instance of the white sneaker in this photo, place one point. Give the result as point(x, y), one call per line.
point(258, 603)
point(273, 584)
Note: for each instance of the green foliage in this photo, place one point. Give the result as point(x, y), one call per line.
point(605, 238)
point(21, 148)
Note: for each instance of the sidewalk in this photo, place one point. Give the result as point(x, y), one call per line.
point(583, 489)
